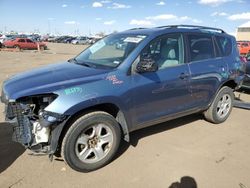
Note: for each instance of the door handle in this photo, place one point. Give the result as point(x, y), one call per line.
point(183, 76)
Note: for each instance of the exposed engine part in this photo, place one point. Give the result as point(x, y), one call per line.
point(33, 104)
point(21, 124)
point(33, 127)
point(41, 133)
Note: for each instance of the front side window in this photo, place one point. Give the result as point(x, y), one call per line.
point(110, 51)
point(165, 51)
point(21, 40)
point(200, 47)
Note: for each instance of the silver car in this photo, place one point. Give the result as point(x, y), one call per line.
point(80, 40)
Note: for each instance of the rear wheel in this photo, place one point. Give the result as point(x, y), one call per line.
point(91, 142)
point(221, 107)
point(42, 48)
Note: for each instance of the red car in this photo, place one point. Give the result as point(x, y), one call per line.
point(24, 43)
point(244, 47)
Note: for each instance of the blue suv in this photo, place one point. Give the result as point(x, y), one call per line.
point(82, 108)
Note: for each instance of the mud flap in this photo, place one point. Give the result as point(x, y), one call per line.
point(55, 134)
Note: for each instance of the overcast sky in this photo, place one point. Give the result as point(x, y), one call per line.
point(88, 16)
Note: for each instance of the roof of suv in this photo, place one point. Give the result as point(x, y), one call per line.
point(173, 28)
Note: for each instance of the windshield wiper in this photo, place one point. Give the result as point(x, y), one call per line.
point(73, 60)
point(85, 64)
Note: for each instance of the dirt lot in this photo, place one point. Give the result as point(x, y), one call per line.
point(188, 150)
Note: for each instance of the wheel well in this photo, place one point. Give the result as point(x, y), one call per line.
point(230, 84)
point(107, 107)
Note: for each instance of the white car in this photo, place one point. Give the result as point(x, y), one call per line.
point(2, 37)
point(80, 40)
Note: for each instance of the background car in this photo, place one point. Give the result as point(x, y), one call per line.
point(51, 39)
point(4, 38)
point(244, 47)
point(34, 37)
point(68, 39)
point(80, 40)
point(246, 82)
point(24, 43)
point(60, 39)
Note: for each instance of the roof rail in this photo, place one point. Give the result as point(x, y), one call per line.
point(193, 27)
point(137, 28)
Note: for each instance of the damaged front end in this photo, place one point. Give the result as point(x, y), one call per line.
point(33, 126)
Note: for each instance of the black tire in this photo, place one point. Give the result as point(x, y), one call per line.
point(42, 48)
point(84, 130)
point(221, 106)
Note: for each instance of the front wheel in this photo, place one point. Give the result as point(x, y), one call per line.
point(221, 107)
point(18, 48)
point(91, 142)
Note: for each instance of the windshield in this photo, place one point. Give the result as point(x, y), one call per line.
point(110, 51)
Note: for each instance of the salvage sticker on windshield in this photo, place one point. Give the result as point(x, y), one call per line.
point(133, 39)
point(97, 46)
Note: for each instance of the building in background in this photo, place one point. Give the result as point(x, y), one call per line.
point(243, 33)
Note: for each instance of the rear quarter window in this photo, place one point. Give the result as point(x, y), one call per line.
point(224, 45)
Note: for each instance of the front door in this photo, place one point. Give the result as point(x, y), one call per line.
point(31, 44)
point(165, 92)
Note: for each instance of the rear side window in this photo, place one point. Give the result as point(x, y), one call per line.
point(200, 47)
point(225, 46)
point(244, 45)
point(28, 40)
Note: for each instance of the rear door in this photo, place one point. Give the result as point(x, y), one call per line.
point(207, 70)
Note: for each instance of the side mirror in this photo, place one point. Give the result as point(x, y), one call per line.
point(146, 65)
